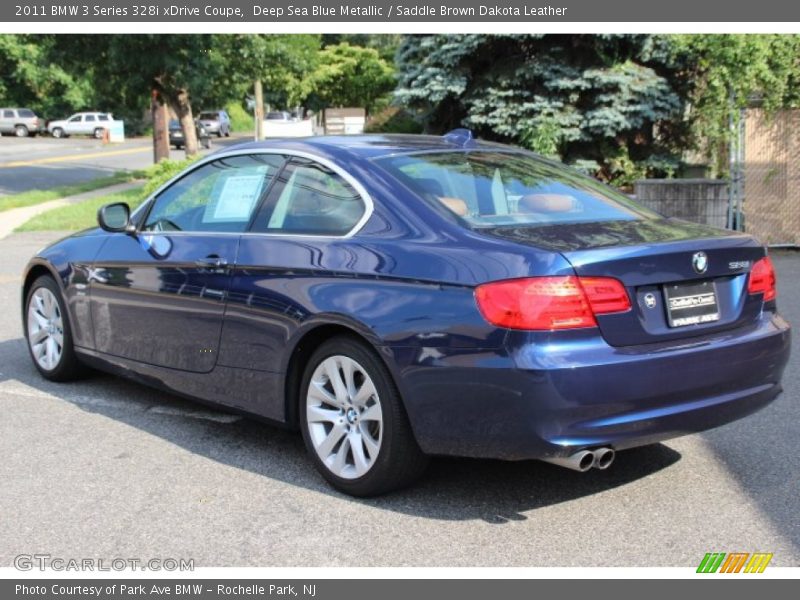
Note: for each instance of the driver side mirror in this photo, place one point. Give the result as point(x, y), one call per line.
point(115, 218)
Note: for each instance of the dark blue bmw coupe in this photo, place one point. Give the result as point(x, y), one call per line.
point(395, 297)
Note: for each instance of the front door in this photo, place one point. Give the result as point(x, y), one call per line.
point(159, 296)
point(74, 125)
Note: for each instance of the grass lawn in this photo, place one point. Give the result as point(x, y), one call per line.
point(38, 196)
point(82, 215)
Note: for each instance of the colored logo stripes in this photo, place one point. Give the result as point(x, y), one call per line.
point(734, 562)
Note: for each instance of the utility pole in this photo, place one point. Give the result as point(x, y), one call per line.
point(160, 128)
point(259, 112)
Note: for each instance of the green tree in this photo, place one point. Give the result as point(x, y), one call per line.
point(283, 63)
point(351, 76)
point(726, 73)
point(581, 97)
point(126, 69)
point(34, 78)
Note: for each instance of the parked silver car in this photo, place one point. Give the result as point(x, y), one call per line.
point(215, 122)
point(82, 123)
point(22, 122)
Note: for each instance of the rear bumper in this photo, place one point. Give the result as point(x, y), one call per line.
point(550, 395)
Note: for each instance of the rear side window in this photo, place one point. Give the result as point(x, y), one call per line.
point(102, 117)
point(310, 199)
point(506, 188)
point(24, 113)
point(218, 197)
point(90, 118)
point(8, 114)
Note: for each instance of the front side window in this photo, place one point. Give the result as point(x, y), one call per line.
point(218, 197)
point(311, 199)
point(506, 188)
point(75, 119)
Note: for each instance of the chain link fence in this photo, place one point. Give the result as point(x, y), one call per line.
point(772, 176)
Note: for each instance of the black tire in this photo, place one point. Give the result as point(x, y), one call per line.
point(99, 133)
point(69, 366)
point(21, 131)
point(219, 133)
point(58, 133)
point(400, 460)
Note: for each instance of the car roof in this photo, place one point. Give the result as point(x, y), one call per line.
point(370, 145)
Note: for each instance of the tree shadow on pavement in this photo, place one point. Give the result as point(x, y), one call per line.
point(452, 489)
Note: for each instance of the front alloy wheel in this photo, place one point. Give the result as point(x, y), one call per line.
point(49, 334)
point(353, 420)
point(45, 329)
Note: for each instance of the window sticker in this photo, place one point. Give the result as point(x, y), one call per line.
point(236, 200)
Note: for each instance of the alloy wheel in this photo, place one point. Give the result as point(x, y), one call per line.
point(45, 329)
point(344, 417)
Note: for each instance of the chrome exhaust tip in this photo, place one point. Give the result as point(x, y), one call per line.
point(603, 457)
point(580, 461)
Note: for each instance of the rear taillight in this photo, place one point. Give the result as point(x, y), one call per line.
point(547, 303)
point(762, 279)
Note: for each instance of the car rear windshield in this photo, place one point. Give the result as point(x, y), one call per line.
point(490, 189)
point(209, 116)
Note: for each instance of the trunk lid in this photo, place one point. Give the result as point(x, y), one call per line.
point(669, 268)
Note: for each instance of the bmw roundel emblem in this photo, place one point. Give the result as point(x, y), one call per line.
point(700, 262)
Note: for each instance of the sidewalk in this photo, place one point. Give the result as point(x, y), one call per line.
point(13, 218)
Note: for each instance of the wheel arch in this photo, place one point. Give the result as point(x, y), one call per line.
point(304, 346)
point(34, 271)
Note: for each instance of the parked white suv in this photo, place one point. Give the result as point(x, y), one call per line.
point(22, 122)
point(83, 123)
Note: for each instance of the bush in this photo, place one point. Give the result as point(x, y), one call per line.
point(241, 120)
point(161, 172)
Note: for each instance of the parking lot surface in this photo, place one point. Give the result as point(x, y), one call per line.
point(105, 468)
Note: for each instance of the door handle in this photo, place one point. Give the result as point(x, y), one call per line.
point(212, 261)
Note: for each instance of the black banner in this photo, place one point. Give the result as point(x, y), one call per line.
point(269, 11)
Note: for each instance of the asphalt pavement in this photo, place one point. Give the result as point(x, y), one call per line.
point(43, 162)
point(106, 468)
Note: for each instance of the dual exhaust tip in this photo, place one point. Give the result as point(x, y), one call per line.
point(599, 458)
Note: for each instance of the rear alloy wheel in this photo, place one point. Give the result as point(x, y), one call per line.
point(58, 132)
point(48, 332)
point(98, 133)
point(354, 425)
point(21, 131)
